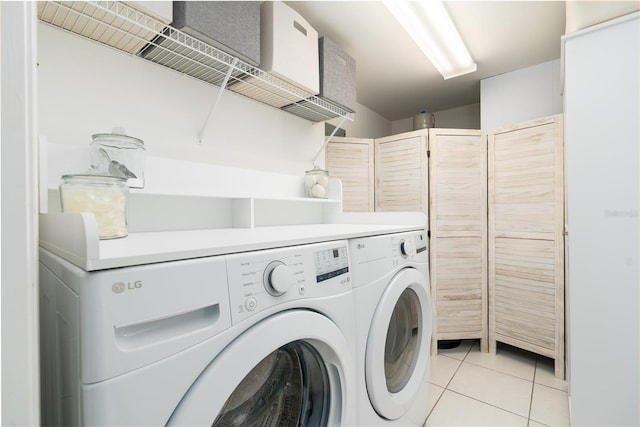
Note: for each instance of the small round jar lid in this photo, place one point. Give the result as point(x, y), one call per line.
point(118, 138)
point(317, 169)
point(95, 177)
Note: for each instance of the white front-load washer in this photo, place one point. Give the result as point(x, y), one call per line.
point(255, 338)
point(393, 328)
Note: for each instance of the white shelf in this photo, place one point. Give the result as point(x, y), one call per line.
point(74, 238)
point(168, 227)
point(154, 212)
point(122, 27)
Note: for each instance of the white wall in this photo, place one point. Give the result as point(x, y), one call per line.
point(465, 117)
point(86, 88)
point(401, 126)
point(367, 124)
point(602, 134)
point(525, 94)
point(20, 358)
point(506, 99)
point(582, 14)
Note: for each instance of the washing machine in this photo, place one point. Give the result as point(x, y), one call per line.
point(393, 328)
point(265, 337)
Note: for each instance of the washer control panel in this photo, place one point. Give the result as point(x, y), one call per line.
point(331, 263)
point(278, 278)
point(407, 248)
point(263, 279)
point(372, 257)
point(411, 245)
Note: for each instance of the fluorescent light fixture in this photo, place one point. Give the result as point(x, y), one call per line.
point(429, 25)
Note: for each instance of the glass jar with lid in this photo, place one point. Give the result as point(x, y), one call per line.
point(105, 196)
point(120, 155)
point(316, 183)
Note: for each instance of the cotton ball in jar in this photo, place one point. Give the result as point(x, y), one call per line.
point(324, 181)
point(316, 182)
point(310, 180)
point(318, 191)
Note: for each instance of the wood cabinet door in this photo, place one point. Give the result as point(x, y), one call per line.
point(526, 245)
point(351, 160)
point(401, 172)
point(458, 224)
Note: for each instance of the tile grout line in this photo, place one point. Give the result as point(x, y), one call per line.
point(489, 404)
point(434, 406)
point(464, 360)
point(533, 385)
point(558, 388)
point(446, 387)
point(540, 385)
point(500, 372)
point(486, 403)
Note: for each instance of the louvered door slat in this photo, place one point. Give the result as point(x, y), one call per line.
point(458, 204)
point(401, 172)
point(351, 160)
point(526, 248)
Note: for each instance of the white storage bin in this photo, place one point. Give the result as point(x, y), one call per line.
point(289, 46)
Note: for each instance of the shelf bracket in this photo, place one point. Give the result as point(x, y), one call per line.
point(217, 101)
point(335, 129)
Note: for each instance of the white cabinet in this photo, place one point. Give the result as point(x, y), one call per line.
point(602, 133)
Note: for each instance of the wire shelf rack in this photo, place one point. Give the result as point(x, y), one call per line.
point(125, 28)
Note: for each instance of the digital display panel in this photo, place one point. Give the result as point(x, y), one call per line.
point(331, 263)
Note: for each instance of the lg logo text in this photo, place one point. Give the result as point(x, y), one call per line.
point(120, 287)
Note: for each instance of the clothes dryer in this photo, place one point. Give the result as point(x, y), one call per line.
point(255, 338)
point(393, 328)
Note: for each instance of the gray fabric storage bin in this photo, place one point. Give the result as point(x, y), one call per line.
point(337, 74)
point(231, 26)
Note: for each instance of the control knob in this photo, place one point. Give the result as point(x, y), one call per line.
point(408, 247)
point(278, 278)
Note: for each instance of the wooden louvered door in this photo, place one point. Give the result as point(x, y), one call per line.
point(351, 160)
point(526, 250)
point(401, 172)
point(458, 245)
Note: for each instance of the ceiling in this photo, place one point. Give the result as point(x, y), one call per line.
point(394, 78)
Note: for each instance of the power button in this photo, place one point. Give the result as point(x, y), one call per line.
point(250, 304)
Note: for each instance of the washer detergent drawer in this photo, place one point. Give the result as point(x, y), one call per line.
point(137, 315)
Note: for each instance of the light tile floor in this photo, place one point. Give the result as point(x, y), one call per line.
point(511, 388)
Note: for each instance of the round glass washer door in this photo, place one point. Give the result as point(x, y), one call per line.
point(274, 374)
point(397, 354)
point(289, 387)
